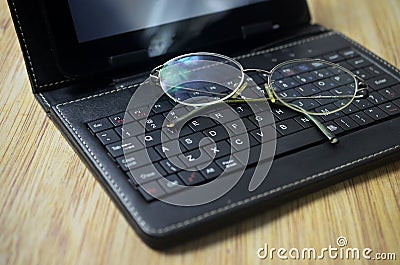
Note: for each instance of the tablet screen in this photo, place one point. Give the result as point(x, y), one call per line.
point(95, 19)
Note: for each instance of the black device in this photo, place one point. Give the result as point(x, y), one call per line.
point(85, 61)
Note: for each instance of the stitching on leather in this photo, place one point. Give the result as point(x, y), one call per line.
point(101, 94)
point(138, 217)
point(44, 100)
point(25, 48)
point(112, 181)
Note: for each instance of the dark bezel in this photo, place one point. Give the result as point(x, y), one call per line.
point(93, 57)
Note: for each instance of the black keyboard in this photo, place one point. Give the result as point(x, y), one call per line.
point(294, 131)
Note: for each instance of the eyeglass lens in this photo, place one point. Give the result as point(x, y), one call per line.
point(314, 86)
point(200, 78)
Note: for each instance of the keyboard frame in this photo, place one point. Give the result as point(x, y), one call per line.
point(161, 225)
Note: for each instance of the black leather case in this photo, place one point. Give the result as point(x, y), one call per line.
point(72, 103)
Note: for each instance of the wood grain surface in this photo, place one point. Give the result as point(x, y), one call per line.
point(52, 211)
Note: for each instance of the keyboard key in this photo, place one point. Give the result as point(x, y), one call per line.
point(348, 53)
point(192, 141)
point(148, 190)
point(305, 78)
point(129, 145)
point(286, 83)
point(151, 138)
point(397, 102)
point(191, 178)
point(382, 81)
point(283, 113)
point(229, 164)
point(139, 113)
point(308, 90)
point(161, 107)
point(137, 159)
point(147, 173)
point(350, 109)
point(120, 118)
point(264, 118)
point(344, 64)
point(374, 70)
point(217, 133)
point(290, 93)
point(176, 113)
point(249, 124)
point(267, 133)
point(358, 62)
point(201, 123)
point(331, 116)
point(333, 57)
point(169, 166)
point(298, 140)
point(288, 127)
point(100, 125)
point(377, 98)
point(376, 113)
point(363, 74)
point(225, 115)
point(219, 149)
point(304, 122)
point(346, 123)
point(239, 142)
point(167, 149)
point(153, 123)
point(342, 79)
point(129, 130)
point(333, 127)
point(211, 171)
point(192, 158)
point(171, 133)
point(325, 84)
point(322, 73)
point(362, 103)
point(108, 137)
point(361, 118)
point(289, 70)
point(237, 127)
point(343, 90)
point(328, 109)
point(243, 110)
point(390, 108)
point(171, 183)
point(390, 93)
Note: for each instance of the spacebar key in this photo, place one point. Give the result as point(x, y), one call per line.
point(298, 140)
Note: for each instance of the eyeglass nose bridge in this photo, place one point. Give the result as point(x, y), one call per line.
point(257, 70)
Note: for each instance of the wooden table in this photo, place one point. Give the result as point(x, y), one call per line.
point(52, 211)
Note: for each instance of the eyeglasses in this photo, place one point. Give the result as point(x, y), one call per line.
point(312, 87)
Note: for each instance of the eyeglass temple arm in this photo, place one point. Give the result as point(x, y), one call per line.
point(331, 136)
